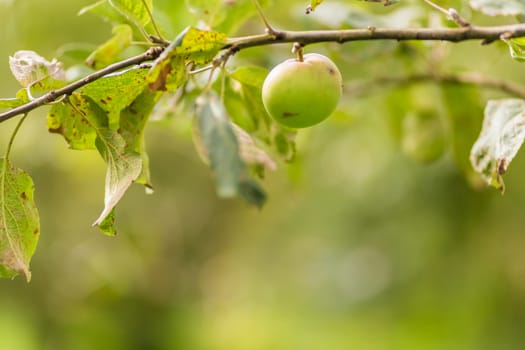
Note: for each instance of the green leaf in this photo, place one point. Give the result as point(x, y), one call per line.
point(104, 10)
point(500, 139)
point(252, 79)
point(19, 221)
point(115, 15)
point(499, 7)
point(76, 119)
point(313, 5)
point(206, 11)
point(107, 226)
point(192, 45)
point(85, 126)
point(135, 10)
point(251, 75)
point(517, 48)
point(123, 167)
point(223, 151)
point(20, 99)
point(108, 52)
point(133, 121)
point(236, 13)
point(115, 92)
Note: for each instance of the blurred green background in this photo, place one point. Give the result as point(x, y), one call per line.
point(358, 247)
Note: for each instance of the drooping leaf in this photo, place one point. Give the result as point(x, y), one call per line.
point(115, 92)
point(29, 68)
point(192, 45)
point(223, 151)
point(108, 52)
point(135, 10)
point(123, 167)
point(250, 152)
point(19, 221)
point(499, 7)
point(133, 121)
point(76, 119)
point(517, 48)
point(500, 139)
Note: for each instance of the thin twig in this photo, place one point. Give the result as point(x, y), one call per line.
point(485, 34)
point(13, 136)
point(269, 28)
point(450, 13)
point(150, 14)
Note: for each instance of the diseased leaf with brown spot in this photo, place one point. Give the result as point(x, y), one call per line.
point(19, 221)
point(133, 121)
point(76, 119)
point(115, 92)
point(191, 46)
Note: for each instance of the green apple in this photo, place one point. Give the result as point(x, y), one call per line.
point(300, 94)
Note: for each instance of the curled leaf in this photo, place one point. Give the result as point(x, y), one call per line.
point(221, 146)
point(500, 139)
point(29, 67)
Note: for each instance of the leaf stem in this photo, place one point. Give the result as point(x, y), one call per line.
point(13, 135)
point(150, 14)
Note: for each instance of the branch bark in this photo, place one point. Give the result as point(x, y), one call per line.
point(53, 95)
point(485, 34)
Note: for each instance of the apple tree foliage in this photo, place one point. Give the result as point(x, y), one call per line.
point(108, 109)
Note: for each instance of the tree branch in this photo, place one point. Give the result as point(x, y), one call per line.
point(485, 34)
point(53, 95)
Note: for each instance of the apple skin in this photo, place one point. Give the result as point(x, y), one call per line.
point(299, 94)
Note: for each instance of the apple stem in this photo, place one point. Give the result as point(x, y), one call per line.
point(297, 49)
